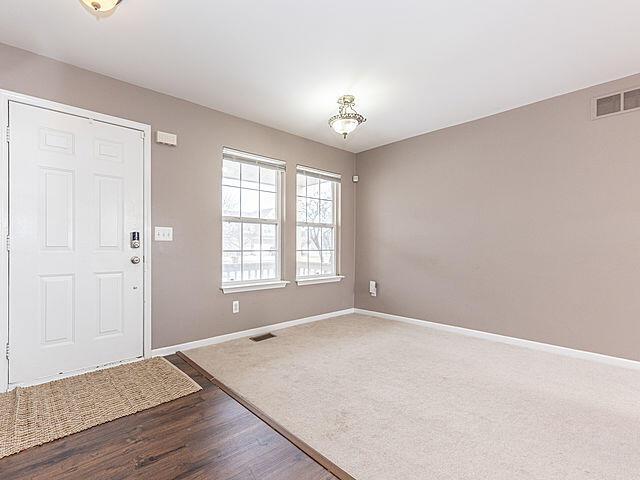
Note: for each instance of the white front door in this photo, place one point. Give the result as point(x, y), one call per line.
point(75, 197)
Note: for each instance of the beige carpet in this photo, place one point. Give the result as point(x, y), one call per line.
point(385, 400)
point(35, 415)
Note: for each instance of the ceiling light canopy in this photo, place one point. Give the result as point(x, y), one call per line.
point(347, 119)
point(101, 5)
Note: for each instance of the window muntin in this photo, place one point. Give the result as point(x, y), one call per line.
point(251, 219)
point(317, 214)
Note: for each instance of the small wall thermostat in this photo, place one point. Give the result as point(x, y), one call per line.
point(165, 138)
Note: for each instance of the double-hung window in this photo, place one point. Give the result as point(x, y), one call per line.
point(251, 221)
point(317, 229)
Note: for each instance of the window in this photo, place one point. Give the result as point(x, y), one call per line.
point(251, 227)
point(317, 232)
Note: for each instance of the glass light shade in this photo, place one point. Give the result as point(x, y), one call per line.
point(101, 5)
point(344, 126)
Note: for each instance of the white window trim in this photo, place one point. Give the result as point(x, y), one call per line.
point(336, 225)
point(251, 287)
point(318, 279)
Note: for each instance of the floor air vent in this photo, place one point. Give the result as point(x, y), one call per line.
point(615, 103)
point(260, 338)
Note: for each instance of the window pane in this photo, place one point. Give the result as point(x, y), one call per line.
point(326, 211)
point(250, 199)
point(231, 236)
point(326, 190)
point(230, 173)
point(302, 263)
point(268, 205)
point(267, 179)
point(302, 238)
point(250, 265)
point(313, 187)
point(231, 267)
point(251, 236)
point(313, 207)
point(269, 237)
point(269, 269)
point(301, 185)
point(315, 263)
point(327, 263)
point(250, 176)
point(314, 238)
point(230, 201)
point(302, 209)
point(327, 239)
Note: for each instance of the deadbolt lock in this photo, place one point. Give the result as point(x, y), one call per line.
point(135, 260)
point(135, 239)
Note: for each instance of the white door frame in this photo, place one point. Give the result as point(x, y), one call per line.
point(145, 130)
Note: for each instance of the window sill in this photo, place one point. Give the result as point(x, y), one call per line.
point(250, 287)
point(317, 280)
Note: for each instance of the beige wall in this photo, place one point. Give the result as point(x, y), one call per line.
point(187, 303)
point(526, 224)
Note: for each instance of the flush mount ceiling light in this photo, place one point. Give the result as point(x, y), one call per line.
point(347, 119)
point(101, 5)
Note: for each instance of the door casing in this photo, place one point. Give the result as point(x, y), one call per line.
point(145, 130)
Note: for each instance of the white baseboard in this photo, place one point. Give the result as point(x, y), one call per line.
point(494, 337)
point(159, 352)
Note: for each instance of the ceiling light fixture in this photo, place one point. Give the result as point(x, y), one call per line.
point(347, 119)
point(101, 5)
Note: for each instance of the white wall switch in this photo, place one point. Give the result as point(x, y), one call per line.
point(165, 138)
point(373, 288)
point(164, 234)
point(235, 306)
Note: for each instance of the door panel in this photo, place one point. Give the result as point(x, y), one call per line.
point(76, 193)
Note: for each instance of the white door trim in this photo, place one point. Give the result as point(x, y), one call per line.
point(5, 98)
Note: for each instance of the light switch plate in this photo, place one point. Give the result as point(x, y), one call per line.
point(164, 234)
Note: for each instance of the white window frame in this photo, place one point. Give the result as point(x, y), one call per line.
point(280, 168)
point(336, 181)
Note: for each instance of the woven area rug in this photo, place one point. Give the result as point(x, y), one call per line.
point(35, 415)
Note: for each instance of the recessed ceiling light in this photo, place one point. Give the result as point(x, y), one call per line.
point(347, 119)
point(101, 5)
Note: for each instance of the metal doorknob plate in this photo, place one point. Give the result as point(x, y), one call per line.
point(135, 260)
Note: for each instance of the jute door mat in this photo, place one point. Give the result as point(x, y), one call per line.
point(35, 415)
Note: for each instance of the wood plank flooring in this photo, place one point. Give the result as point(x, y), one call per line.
point(206, 435)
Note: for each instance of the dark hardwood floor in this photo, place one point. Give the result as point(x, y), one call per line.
point(206, 435)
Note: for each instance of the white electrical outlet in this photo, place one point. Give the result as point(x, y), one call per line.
point(235, 306)
point(164, 234)
point(373, 288)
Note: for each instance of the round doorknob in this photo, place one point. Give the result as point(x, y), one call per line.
point(135, 260)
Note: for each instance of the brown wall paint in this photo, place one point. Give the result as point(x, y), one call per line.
point(187, 302)
point(526, 224)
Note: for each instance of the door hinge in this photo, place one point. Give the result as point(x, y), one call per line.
point(6, 351)
point(8, 133)
point(8, 243)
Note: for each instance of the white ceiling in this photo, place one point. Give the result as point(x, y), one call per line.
point(414, 65)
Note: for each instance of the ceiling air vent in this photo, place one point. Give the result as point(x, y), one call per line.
point(615, 103)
